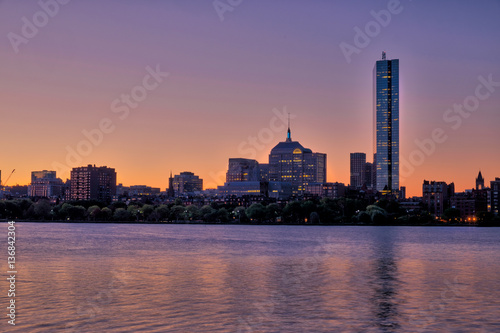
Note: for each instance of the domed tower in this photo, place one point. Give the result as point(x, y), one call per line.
point(290, 162)
point(479, 182)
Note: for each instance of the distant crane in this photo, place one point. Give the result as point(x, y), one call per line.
point(5, 182)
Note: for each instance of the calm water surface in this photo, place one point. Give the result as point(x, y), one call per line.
point(214, 278)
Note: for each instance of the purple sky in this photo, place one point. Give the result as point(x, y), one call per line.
point(226, 77)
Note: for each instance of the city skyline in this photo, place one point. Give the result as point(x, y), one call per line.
point(233, 80)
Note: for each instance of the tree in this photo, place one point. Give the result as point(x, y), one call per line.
point(193, 212)
point(106, 214)
point(42, 209)
point(378, 215)
point(177, 212)
point(77, 213)
point(272, 212)
point(121, 214)
point(363, 217)
point(94, 212)
point(147, 210)
point(134, 212)
point(314, 218)
point(293, 211)
point(161, 212)
point(308, 207)
point(208, 213)
point(256, 211)
point(240, 213)
point(223, 215)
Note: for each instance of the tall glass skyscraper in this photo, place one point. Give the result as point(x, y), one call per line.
point(386, 123)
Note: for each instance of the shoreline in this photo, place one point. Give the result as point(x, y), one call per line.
point(254, 224)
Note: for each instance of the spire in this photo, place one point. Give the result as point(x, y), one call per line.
point(289, 133)
point(479, 181)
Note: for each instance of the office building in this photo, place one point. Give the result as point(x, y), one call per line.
point(93, 183)
point(386, 125)
point(45, 184)
point(402, 193)
point(290, 162)
point(187, 183)
point(358, 170)
point(369, 175)
point(275, 190)
point(243, 170)
point(494, 196)
point(326, 190)
point(264, 171)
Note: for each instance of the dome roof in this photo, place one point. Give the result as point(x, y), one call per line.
point(288, 147)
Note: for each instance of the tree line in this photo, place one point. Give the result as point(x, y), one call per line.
point(314, 211)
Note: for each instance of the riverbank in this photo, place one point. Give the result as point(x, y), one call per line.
point(441, 224)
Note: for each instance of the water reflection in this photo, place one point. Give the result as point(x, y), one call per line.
point(190, 278)
point(385, 282)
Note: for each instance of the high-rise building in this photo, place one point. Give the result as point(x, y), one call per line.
point(436, 196)
point(369, 175)
point(243, 170)
point(93, 183)
point(494, 205)
point(358, 165)
point(45, 184)
point(186, 183)
point(386, 124)
point(402, 192)
point(290, 162)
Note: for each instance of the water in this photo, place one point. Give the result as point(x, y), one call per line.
point(215, 278)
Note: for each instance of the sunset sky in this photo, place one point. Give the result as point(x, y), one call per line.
point(227, 76)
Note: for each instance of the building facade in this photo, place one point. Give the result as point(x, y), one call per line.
point(187, 183)
point(326, 190)
point(45, 184)
point(93, 183)
point(243, 170)
point(494, 195)
point(436, 196)
point(290, 162)
point(358, 170)
point(386, 125)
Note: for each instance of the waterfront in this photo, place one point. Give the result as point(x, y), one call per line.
point(230, 278)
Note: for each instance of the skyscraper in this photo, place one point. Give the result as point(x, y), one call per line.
point(358, 162)
point(494, 204)
point(386, 131)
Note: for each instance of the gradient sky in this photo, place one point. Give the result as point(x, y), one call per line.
point(226, 77)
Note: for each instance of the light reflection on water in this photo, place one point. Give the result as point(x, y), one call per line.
point(213, 278)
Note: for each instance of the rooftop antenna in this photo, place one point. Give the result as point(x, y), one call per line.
point(383, 55)
point(289, 134)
